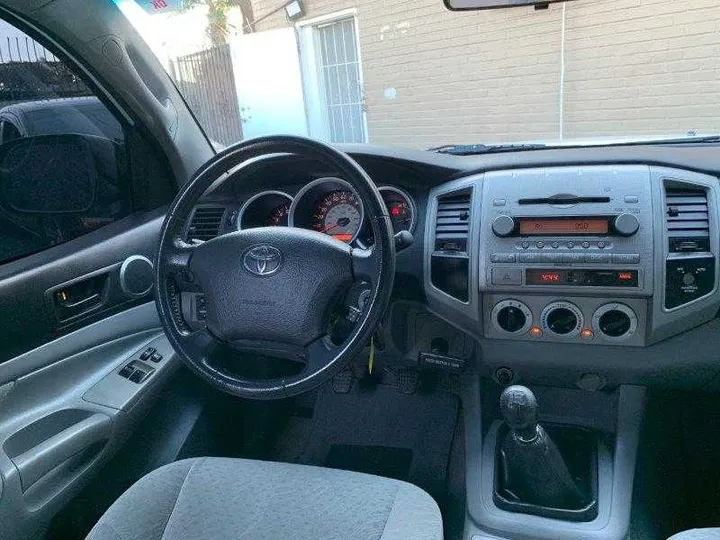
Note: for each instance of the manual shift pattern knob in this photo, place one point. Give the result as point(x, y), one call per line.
point(519, 409)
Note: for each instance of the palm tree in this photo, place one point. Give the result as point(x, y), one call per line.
point(218, 27)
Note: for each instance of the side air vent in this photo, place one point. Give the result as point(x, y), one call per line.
point(453, 222)
point(449, 264)
point(206, 222)
point(686, 216)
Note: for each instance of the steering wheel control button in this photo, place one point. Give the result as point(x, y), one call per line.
point(615, 322)
point(626, 224)
point(506, 276)
point(562, 319)
point(512, 317)
point(503, 226)
point(262, 260)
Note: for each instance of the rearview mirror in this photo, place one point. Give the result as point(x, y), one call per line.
point(49, 174)
point(463, 5)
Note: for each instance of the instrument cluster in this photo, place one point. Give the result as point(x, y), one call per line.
point(327, 205)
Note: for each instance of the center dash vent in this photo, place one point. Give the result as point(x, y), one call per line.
point(206, 223)
point(452, 224)
point(687, 220)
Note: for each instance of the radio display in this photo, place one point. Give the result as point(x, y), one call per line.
point(555, 227)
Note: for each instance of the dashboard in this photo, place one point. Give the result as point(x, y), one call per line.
point(555, 264)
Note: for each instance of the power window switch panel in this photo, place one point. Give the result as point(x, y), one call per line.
point(126, 371)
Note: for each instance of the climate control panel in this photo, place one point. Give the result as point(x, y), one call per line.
point(594, 321)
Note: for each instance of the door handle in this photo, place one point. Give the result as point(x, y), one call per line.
point(78, 304)
point(79, 297)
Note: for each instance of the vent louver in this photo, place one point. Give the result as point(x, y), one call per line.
point(452, 223)
point(687, 221)
point(206, 223)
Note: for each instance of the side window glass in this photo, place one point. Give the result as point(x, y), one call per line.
point(63, 169)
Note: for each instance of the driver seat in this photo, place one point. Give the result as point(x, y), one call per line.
point(223, 499)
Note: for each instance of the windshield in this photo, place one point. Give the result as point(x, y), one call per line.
point(414, 74)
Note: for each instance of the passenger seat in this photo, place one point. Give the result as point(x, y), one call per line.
point(697, 534)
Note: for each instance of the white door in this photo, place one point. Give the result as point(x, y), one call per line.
point(269, 83)
point(333, 80)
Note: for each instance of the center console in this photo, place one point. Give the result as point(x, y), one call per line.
point(585, 282)
point(615, 255)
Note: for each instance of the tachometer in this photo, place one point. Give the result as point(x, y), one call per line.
point(266, 209)
point(338, 214)
point(279, 215)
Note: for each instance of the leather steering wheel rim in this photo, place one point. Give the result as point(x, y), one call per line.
point(179, 263)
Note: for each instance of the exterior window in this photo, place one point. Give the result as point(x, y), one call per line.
point(62, 165)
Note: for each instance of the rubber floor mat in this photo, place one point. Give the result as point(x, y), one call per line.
point(380, 431)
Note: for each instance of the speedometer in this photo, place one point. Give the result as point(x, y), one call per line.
point(338, 214)
point(330, 206)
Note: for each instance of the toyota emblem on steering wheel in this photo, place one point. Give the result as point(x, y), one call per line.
point(262, 260)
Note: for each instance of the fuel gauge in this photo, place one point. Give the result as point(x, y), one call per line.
point(401, 208)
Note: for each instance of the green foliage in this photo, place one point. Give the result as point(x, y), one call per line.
point(218, 27)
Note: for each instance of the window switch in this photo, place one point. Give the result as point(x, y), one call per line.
point(156, 357)
point(147, 353)
point(138, 376)
point(127, 371)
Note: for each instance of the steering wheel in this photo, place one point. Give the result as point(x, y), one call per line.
point(269, 291)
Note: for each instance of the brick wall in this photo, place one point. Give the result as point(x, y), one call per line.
point(631, 67)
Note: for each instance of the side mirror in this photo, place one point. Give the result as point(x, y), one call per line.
point(466, 5)
point(50, 174)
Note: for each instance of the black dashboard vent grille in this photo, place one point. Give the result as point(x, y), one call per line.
point(452, 224)
point(686, 215)
point(206, 222)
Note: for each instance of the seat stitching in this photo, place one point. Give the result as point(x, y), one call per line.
point(180, 492)
point(387, 519)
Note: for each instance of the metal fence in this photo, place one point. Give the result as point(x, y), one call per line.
point(206, 80)
point(29, 72)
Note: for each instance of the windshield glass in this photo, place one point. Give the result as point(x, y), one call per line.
point(415, 74)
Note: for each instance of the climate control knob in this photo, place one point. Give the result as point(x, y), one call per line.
point(512, 317)
point(503, 226)
point(626, 224)
point(614, 322)
point(562, 319)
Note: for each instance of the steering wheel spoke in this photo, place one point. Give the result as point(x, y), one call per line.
point(364, 264)
point(177, 264)
point(319, 354)
point(201, 344)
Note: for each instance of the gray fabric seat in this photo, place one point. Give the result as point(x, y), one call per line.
point(222, 499)
point(697, 534)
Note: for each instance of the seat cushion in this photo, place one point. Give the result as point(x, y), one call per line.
point(697, 534)
point(223, 498)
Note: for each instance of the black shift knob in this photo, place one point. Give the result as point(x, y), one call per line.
point(519, 409)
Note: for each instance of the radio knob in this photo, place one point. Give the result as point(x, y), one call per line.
point(503, 226)
point(626, 224)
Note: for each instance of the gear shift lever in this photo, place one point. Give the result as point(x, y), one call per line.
point(534, 471)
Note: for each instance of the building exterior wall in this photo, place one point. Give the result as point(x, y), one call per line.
point(621, 67)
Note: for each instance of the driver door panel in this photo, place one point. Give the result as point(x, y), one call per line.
point(68, 325)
